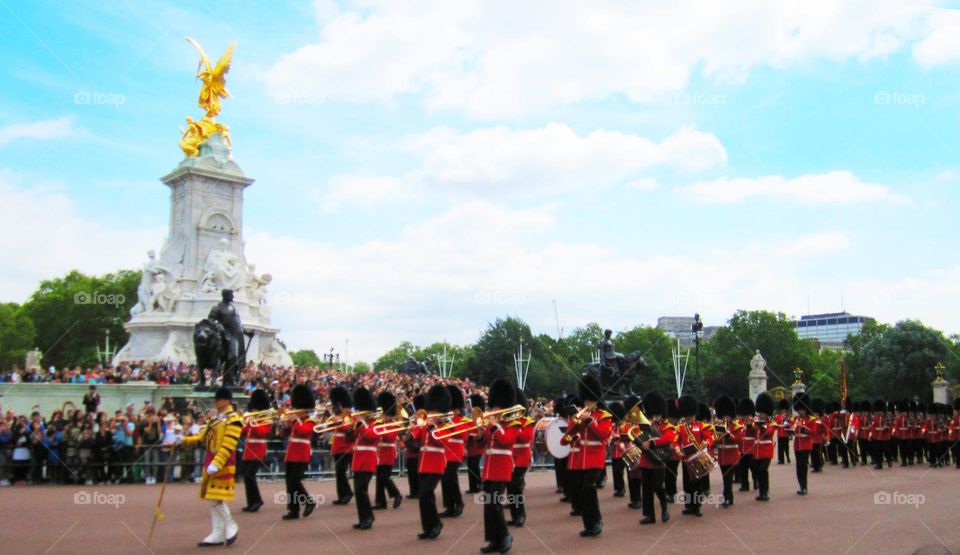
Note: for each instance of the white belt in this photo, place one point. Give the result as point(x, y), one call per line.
point(522, 446)
point(499, 452)
point(593, 443)
point(390, 445)
point(256, 441)
point(365, 448)
point(574, 449)
point(339, 434)
point(455, 440)
point(432, 449)
point(299, 440)
point(728, 446)
point(765, 441)
point(803, 435)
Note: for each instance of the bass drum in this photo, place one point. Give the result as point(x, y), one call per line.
point(547, 435)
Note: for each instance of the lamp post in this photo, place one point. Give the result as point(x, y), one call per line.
point(697, 329)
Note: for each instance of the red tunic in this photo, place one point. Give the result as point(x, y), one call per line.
point(668, 436)
point(475, 444)
point(783, 424)
point(433, 458)
point(747, 439)
point(298, 445)
point(620, 440)
point(255, 449)
point(387, 455)
point(880, 431)
point(728, 445)
point(366, 446)
point(573, 438)
point(803, 433)
point(819, 430)
point(766, 435)
point(694, 436)
point(594, 439)
point(522, 449)
point(498, 456)
point(456, 445)
point(341, 443)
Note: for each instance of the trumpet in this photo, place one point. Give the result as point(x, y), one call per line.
point(291, 415)
point(405, 423)
point(479, 420)
point(343, 420)
point(261, 417)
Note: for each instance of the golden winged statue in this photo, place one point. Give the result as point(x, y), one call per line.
point(213, 89)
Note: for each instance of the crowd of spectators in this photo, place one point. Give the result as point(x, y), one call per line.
point(85, 445)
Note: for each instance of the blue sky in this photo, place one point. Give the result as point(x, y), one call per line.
point(424, 168)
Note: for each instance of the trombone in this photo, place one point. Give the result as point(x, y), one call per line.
point(420, 418)
point(343, 420)
point(260, 417)
point(478, 420)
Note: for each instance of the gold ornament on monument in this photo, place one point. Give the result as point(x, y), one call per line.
point(213, 88)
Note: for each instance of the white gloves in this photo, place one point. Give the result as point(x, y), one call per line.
point(212, 469)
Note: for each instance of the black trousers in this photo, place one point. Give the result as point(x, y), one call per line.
point(618, 469)
point(342, 465)
point(361, 487)
point(833, 449)
point(762, 467)
point(803, 463)
point(573, 485)
point(783, 449)
point(670, 478)
point(653, 484)
point(589, 502)
point(955, 451)
point(450, 486)
point(694, 490)
point(863, 448)
point(746, 468)
point(250, 487)
point(515, 489)
point(560, 473)
point(635, 485)
point(385, 484)
point(890, 451)
point(429, 519)
point(413, 477)
point(494, 525)
point(473, 473)
point(727, 472)
point(848, 450)
point(876, 453)
point(816, 457)
point(296, 494)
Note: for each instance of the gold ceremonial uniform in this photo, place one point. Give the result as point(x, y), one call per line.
point(219, 437)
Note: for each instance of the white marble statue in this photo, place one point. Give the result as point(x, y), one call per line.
point(163, 294)
point(222, 269)
point(144, 295)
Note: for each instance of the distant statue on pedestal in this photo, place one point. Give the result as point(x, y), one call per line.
point(614, 370)
point(219, 343)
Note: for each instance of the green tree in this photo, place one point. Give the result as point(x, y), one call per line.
point(902, 360)
point(71, 314)
point(17, 334)
point(394, 358)
point(306, 357)
point(654, 344)
point(859, 376)
point(360, 367)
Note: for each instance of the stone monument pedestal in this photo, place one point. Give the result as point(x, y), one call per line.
point(758, 376)
point(940, 387)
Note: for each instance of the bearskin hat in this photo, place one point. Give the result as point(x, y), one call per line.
point(703, 413)
point(866, 406)
point(630, 402)
point(258, 400)
point(419, 401)
point(654, 404)
point(724, 406)
point(673, 409)
point(339, 396)
point(438, 399)
point(783, 404)
point(589, 389)
point(765, 404)
point(521, 397)
point(502, 394)
point(223, 394)
point(746, 408)
point(688, 406)
point(302, 397)
point(833, 406)
point(879, 406)
point(363, 400)
point(818, 406)
point(570, 405)
point(388, 402)
point(617, 410)
point(801, 401)
point(477, 402)
point(456, 397)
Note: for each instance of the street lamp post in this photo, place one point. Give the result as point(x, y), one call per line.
point(697, 329)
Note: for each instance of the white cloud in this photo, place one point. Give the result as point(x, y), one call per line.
point(942, 44)
point(644, 184)
point(505, 59)
point(551, 159)
point(59, 128)
point(837, 187)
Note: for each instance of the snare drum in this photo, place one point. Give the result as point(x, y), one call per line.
point(547, 435)
point(699, 464)
point(632, 456)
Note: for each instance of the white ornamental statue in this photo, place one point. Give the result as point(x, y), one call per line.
point(758, 375)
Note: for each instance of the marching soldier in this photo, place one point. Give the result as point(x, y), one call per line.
point(819, 432)
point(219, 437)
point(954, 435)
point(747, 411)
point(879, 433)
point(341, 447)
point(595, 427)
point(863, 432)
point(455, 446)
point(706, 420)
point(802, 427)
point(635, 474)
point(254, 451)
point(499, 439)
point(474, 450)
point(617, 447)
point(727, 444)
point(366, 446)
point(848, 434)
point(433, 461)
point(834, 425)
point(673, 463)
point(411, 452)
point(783, 431)
point(387, 454)
point(522, 458)
point(901, 431)
point(693, 437)
point(766, 430)
point(298, 453)
point(575, 458)
point(652, 465)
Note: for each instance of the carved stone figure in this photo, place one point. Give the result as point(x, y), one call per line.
point(144, 290)
point(222, 269)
